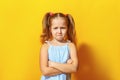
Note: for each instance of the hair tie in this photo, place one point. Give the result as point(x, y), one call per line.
point(66, 14)
point(51, 14)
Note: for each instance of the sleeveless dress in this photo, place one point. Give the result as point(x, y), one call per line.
point(58, 54)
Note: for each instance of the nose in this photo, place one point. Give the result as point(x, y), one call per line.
point(59, 30)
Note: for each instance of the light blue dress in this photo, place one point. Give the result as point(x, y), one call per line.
point(58, 54)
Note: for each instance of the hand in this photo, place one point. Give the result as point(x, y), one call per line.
point(69, 61)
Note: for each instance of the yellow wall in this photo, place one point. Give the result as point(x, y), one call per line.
point(98, 33)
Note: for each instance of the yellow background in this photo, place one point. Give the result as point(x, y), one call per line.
point(98, 33)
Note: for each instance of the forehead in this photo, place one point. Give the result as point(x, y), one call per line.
point(58, 21)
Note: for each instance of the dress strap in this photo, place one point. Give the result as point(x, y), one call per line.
point(47, 42)
point(68, 41)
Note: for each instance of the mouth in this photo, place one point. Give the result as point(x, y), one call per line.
point(59, 35)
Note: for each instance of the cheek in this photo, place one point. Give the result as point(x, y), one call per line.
point(65, 32)
point(53, 32)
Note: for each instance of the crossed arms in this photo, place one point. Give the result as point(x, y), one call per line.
point(49, 68)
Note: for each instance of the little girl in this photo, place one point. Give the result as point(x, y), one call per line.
point(58, 55)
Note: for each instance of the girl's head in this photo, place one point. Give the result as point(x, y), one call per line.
point(59, 26)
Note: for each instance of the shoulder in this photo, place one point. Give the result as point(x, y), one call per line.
point(44, 46)
point(71, 45)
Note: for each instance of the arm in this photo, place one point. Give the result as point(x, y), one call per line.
point(67, 68)
point(45, 69)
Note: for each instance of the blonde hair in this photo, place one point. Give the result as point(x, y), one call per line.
point(46, 24)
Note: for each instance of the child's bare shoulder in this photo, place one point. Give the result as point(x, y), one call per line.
point(71, 44)
point(44, 46)
point(72, 47)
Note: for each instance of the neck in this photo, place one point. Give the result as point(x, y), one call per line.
point(58, 42)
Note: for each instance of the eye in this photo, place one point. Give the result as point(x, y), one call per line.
point(55, 28)
point(63, 27)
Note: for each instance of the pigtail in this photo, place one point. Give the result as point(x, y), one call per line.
point(71, 30)
point(45, 28)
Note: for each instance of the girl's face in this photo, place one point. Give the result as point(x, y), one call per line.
point(58, 28)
